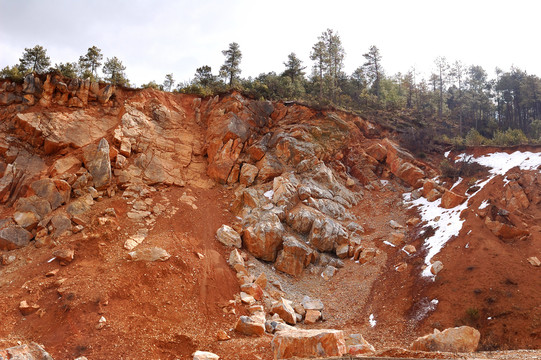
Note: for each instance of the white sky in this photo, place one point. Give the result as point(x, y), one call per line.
point(154, 38)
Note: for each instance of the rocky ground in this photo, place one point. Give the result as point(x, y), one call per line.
point(112, 200)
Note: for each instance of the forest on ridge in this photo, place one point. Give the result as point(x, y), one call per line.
point(458, 104)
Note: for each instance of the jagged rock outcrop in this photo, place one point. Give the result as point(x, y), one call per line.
point(459, 339)
point(291, 343)
point(264, 238)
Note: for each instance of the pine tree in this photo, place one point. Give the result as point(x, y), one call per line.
point(90, 63)
point(114, 68)
point(203, 76)
point(373, 68)
point(35, 60)
point(68, 70)
point(319, 56)
point(168, 82)
point(294, 68)
point(230, 69)
point(328, 55)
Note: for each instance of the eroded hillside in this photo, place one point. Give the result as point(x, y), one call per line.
point(114, 201)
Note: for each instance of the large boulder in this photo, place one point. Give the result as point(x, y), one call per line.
point(357, 345)
point(56, 192)
point(505, 231)
point(285, 190)
point(301, 218)
point(229, 237)
point(326, 234)
point(290, 343)
point(264, 238)
point(294, 256)
point(284, 309)
point(269, 167)
point(410, 173)
point(253, 326)
point(451, 199)
point(459, 339)
point(30, 351)
point(377, 151)
point(14, 237)
point(248, 173)
point(98, 163)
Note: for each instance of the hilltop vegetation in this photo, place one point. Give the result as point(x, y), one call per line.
point(458, 104)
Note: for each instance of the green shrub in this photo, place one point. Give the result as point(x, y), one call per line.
point(448, 169)
point(473, 138)
point(509, 137)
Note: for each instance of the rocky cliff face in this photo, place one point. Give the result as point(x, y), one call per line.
point(303, 191)
point(295, 167)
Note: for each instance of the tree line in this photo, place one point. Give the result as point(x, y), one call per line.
point(466, 104)
point(469, 106)
point(36, 60)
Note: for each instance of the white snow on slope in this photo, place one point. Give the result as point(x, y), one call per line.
point(500, 163)
point(447, 222)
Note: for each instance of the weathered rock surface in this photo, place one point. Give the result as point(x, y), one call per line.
point(56, 130)
point(98, 163)
point(14, 237)
point(287, 344)
point(326, 234)
point(459, 339)
point(357, 345)
point(263, 239)
point(248, 174)
point(284, 309)
point(30, 351)
point(294, 256)
point(204, 355)
point(149, 254)
point(249, 326)
point(229, 237)
point(451, 199)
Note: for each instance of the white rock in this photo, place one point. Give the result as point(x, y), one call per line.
point(204, 355)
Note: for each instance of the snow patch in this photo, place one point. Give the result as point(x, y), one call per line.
point(500, 163)
point(447, 222)
point(371, 320)
point(269, 194)
point(457, 183)
point(447, 153)
point(388, 243)
point(484, 204)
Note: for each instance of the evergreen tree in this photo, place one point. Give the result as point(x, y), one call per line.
point(231, 68)
point(35, 60)
point(328, 55)
point(68, 70)
point(294, 68)
point(11, 72)
point(442, 69)
point(168, 82)
point(373, 68)
point(204, 77)
point(90, 63)
point(114, 68)
point(319, 56)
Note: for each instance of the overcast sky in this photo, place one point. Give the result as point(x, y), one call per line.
point(154, 38)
